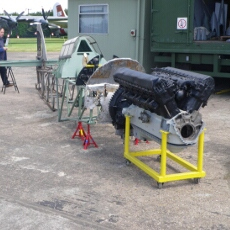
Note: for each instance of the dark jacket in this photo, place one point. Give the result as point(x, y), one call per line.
point(2, 51)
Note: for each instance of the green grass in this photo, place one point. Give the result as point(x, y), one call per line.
point(30, 44)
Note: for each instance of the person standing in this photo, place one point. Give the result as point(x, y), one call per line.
point(3, 57)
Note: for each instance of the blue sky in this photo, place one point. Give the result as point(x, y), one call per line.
point(32, 5)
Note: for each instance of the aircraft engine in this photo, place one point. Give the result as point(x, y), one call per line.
point(168, 99)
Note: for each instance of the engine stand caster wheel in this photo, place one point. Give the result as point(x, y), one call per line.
point(127, 162)
point(160, 185)
point(196, 180)
point(159, 158)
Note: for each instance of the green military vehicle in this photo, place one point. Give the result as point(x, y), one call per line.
point(192, 35)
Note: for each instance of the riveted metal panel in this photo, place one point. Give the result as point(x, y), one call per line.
point(122, 18)
point(171, 21)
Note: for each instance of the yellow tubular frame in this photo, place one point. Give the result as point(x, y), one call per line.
point(195, 172)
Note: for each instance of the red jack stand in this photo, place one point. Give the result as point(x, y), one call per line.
point(88, 137)
point(81, 133)
point(136, 141)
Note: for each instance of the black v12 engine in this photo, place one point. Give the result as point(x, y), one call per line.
point(169, 99)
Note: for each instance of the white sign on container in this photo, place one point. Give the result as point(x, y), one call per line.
point(182, 23)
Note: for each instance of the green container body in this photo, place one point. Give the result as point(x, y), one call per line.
point(174, 43)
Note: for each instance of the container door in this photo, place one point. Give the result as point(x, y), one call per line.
point(170, 21)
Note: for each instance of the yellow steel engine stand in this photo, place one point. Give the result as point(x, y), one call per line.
point(195, 172)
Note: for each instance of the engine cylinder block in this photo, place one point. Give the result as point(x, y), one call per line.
point(168, 99)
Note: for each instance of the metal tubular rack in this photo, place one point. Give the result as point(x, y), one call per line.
point(10, 76)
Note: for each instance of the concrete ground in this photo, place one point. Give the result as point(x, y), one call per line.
point(48, 181)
